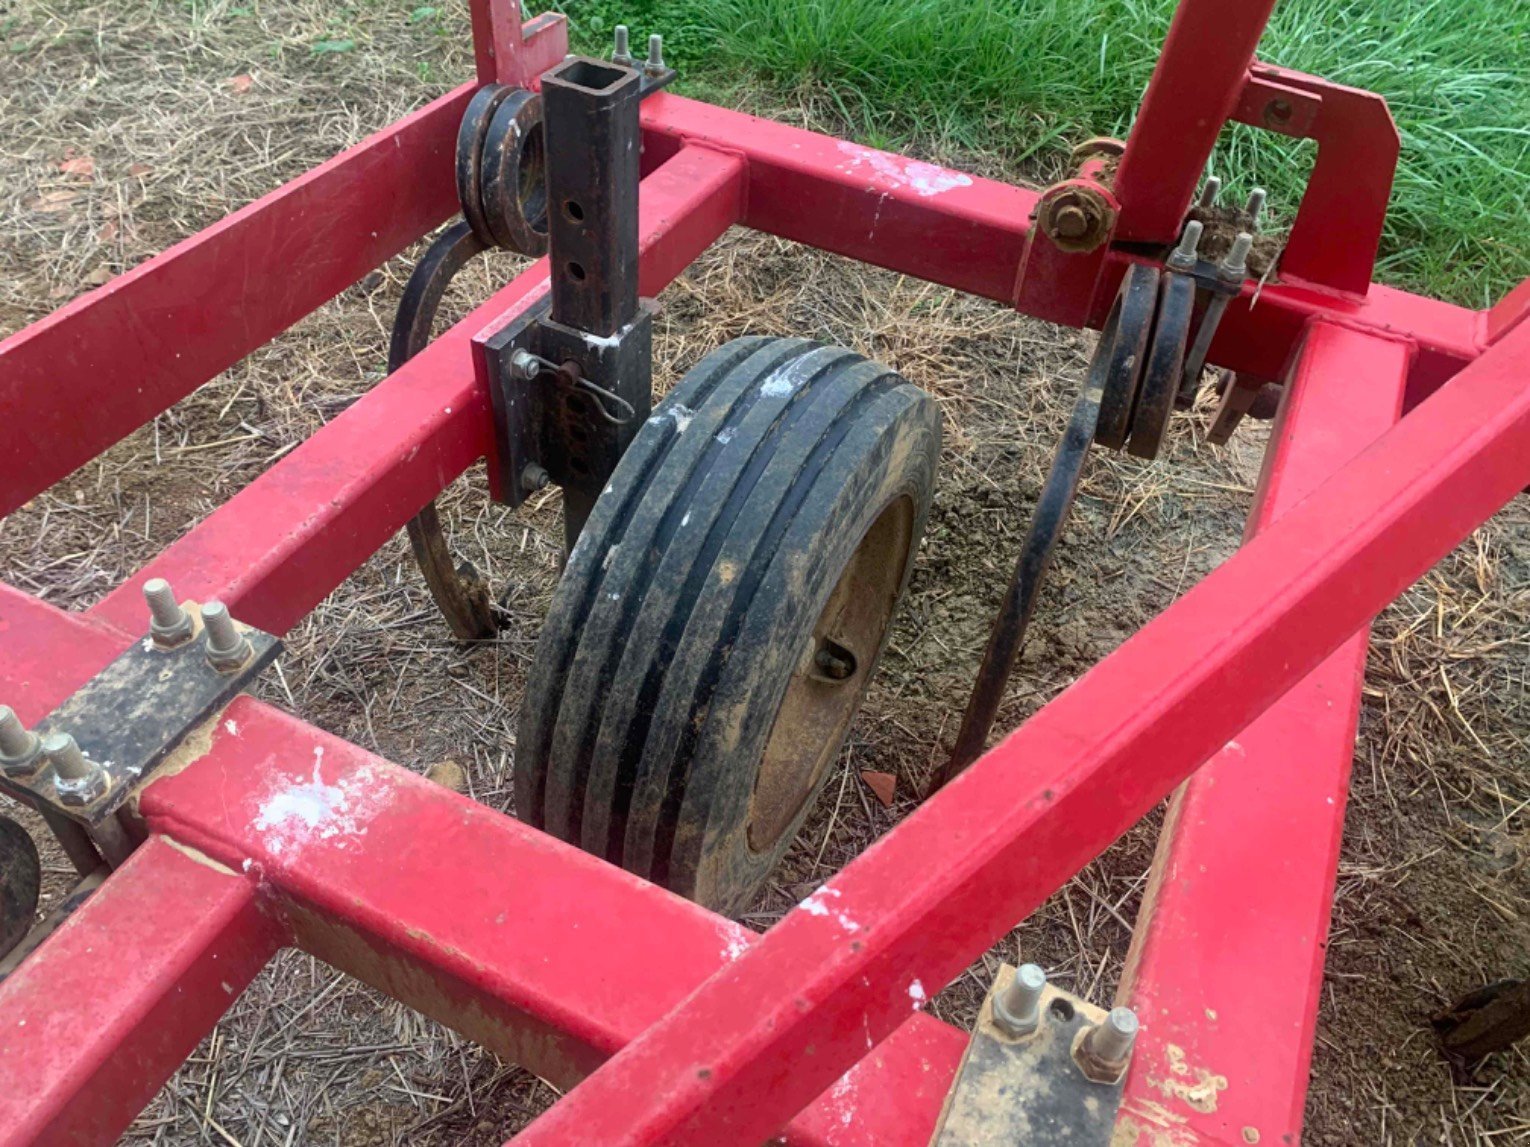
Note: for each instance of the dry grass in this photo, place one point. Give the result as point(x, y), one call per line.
point(1434, 893)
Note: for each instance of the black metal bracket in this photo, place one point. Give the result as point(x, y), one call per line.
point(1034, 1088)
point(571, 379)
point(129, 717)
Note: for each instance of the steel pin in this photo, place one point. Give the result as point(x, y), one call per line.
point(622, 52)
point(1209, 191)
point(169, 624)
point(1183, 257)
point(227, 648)
point(655, 64)
point(1254, 206)
point(18, 744)
point(1017, 1009)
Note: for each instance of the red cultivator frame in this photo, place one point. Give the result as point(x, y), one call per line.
point(676, 1024)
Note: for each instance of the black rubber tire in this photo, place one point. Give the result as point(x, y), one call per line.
point(20, 882)
point(690, 601)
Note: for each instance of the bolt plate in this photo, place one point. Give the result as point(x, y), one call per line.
point(132, 714)
point(1029, 1090)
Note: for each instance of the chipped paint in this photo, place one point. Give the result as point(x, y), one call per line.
point(923, 179)
point(1196, 1087)
point(232, 727)
point(916, 993)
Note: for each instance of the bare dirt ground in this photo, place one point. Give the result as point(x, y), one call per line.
point(126, 128)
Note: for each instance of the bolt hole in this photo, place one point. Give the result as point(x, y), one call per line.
point(572, 209)
point(575, 271)
point(1278, 112)
point(1061, 1010)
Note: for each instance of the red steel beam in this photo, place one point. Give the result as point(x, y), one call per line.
point(95, 1021)
point(446, 905)
point(969, 233)
point(276, 549)
point(134, 347)
point(1196, 86)
point(745, 1051)
point(1227, 958)
point(548, 956)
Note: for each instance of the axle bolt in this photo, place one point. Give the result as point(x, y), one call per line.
point(1254, 206)
point(19, 746)
point(76, 778)
point(654, 66)
point(1017, 1009)
point(1234, 266)
point(621, 54)
point(1183, 256)
point(1108, 1046)
point(534, 478)
point(1070, 222)
point(1209, 191)
point(169, 624)
point(227, 648)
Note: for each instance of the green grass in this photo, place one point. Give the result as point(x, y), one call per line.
point(1024, 78)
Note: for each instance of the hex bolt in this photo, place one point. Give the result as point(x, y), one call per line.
point(534, 478)
point(1183, 256)
point(19, 746)
point(227, 648)
point(1254, 206)
point(1209, 191)
point(621, 54)
point(1107, 1046)
point(76, 778)
point(524, 365)
point(169, 624)
point(654, 66)
point(1017, 1009)
point(1234, 266)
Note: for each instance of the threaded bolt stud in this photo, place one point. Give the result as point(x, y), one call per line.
point(77, 779)
point(19, 747)
point(169, 624)
point(1017, 1009)
point(1108, 1046)
point(1183, 257)
point(1234, 267)
point(1254, 206)
point(227, 648)
point(655, 63)
point(1209, 191)
point(622, 52)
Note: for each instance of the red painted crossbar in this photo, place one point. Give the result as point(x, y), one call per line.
point(277, 548)
point(1227, 957)
point(93, 1024)
point(729, 1065)
point(97, 369)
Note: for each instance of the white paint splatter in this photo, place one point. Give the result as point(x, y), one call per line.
point(685, 521)
point(734, 942)
point(725, 435)
point(844, 1096)
point(921, 178)
point(1234, 747)
point(789, 377)
point(916, 993)
point(815, 906)
point(299, 814)
point(232, 726)
point(681, 416)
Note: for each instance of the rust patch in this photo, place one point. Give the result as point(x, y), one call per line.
point(1196, 1087)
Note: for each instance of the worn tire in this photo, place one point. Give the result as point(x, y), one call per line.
point(722, 613)
point(20, 882)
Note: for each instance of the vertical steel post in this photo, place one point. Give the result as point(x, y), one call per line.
point(591, 117)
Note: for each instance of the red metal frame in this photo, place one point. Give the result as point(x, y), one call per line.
point(706, 1032)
